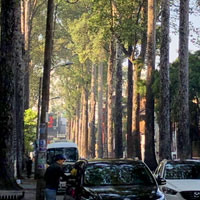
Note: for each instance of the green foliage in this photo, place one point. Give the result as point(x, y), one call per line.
point(30, 117)
point(194, 87)
point(194, 75)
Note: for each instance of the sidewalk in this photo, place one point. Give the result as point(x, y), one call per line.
point(29, 186)
point(27, 193)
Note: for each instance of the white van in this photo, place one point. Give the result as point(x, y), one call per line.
point(69, 150)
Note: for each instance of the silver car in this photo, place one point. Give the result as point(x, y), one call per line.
point(182, 179)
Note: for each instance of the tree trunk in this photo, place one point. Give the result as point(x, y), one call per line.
point(11, 57)
point(91, 141)
point(118, 104)
point(110, 95)
point(164, 125)
point(69, 129)
point(136, 111)
point(150, 157)
point(138, 65)
point(26, 31)
point(45, 102)
point(19, 103)
point(183, 138)
point(73, 129)
point(100, 112)
point(77, 122)
point(84, 143)
point(80, 125)
point(91, 131)
point(129, 108)
point(105, 132)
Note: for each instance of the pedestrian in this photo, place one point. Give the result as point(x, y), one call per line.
point(52, 177)
point(29, 163)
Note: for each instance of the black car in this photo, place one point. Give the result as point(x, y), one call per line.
point(115, 180)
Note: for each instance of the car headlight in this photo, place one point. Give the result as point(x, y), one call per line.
point(167, 190)
point(160, 195)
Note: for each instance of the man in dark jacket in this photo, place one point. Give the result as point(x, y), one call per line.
point(29, 163)
point(52, 177)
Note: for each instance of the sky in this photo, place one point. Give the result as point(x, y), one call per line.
point(173, 55)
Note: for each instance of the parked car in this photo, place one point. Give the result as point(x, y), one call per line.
point(182, 179)
point(111, 179)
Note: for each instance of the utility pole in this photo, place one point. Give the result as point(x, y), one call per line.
point(41, 162)
point(43, 133)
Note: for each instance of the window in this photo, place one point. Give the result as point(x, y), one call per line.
point(117, 174)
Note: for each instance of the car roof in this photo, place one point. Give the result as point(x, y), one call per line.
point(116, 161)
point(183, 161)
point(61, 145)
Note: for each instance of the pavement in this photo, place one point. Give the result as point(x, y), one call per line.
point(29, 189)
point(29, 186)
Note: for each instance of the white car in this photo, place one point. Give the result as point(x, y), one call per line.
point(182, 179)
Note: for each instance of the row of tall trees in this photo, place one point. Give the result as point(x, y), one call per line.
point(98, 36)
point(137, 45)
point(103, 28)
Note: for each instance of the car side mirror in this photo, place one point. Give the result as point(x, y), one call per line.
point(161, 181)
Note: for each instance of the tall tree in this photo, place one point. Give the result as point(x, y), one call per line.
point(100, 113)
point(138, 65)
point(150, 158)
point(84, 132)
point(183, 138)
point(118, 104)
point(164, 120)
point(10, 60)
point(26, 33)
point(91, 137)
point(110, 72)
point(130, 106)
point(110, 97)
point(19, 105)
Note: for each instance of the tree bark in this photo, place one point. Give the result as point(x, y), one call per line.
point(183, 138)
point(105, 132)
point(110, 96)
point(91, 145)
point(138, 65)
point(136, 111)
point(100, 112)
point(164, 125)
point(26, 32)
point(84, 143)
point(129, 108)
point(118, 104)
point(11, 58)
point(80, 125)
point(77, 122)
point(150, 158)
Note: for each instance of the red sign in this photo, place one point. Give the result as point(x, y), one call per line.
point(50, 122)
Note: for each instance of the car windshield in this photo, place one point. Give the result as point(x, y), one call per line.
point(117, 174)
point(70, 153)
point(190, 170)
